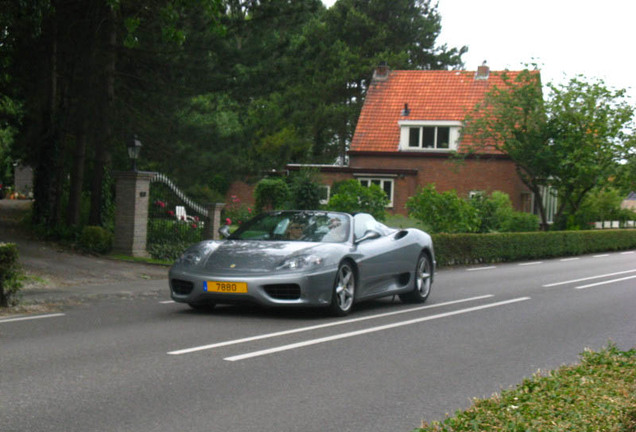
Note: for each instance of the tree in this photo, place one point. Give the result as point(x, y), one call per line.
point(513, 120)
point(589, 127)
point(571, 142)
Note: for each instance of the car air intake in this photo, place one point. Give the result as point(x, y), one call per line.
point(181, 287)
point(283, 291)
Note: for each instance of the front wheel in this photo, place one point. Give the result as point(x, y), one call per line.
point(423, 281)
point(344, 290)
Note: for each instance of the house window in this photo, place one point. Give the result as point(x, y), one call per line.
point(383, 183)
point(430, 137)
point(426, 135)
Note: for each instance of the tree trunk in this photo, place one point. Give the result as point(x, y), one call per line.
point(105, 135)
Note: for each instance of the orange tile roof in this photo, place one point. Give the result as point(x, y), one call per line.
point(430, 95)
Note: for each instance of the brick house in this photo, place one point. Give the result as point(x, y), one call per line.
point(407, 134)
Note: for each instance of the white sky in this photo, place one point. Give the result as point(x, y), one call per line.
point(564, 38)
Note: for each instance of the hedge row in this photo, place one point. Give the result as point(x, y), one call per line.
point(467, 249)
point(8, 273)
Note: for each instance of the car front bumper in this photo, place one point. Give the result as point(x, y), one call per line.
point(284, 289)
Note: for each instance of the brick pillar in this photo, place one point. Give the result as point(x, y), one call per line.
point(214, 221)
point(132, 190)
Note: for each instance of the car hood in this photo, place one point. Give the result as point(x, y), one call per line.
point(253, 256)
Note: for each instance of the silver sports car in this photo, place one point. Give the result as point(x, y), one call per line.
point(306, 258)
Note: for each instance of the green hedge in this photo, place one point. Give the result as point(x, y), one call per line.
point(9, 273)
point(466, 249)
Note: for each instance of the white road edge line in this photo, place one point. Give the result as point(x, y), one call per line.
point(367, 331)
point(320, 326)
point(34, 317)
point(605, 282)
point(531, 263)
point(601, 256)
point(569, 259)
point(587, 278)
point(481, 268)
point(627, 253)
point(167, 302)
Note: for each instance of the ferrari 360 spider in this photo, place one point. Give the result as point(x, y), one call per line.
point(306, 258)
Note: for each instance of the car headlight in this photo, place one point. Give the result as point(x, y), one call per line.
point(301, 262)
point(191, 257)
point(194, 255)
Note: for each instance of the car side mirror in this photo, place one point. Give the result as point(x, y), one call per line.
point(225, 231)
point(368, 235)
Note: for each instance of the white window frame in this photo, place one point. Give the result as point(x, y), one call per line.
point(370, 179)
point(407, 125)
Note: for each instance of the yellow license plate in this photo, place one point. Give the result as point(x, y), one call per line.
point(225, 287)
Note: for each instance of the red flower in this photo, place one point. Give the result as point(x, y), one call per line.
point(228, 221)
point(170, 213)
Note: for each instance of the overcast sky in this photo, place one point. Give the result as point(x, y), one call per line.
point(593, 38)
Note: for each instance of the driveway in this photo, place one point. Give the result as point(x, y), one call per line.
point(55, 272)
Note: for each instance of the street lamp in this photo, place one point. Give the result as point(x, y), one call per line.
point(133, 151)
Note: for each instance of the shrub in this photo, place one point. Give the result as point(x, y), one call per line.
point(443, 211)
point(95, 239)
point(9, 274)
point(167, 238)
point(305, 190)
point(236, 212)
point(595, 395)
point(351, 197)
point(271, 193)
point(520, 222)
point(467, 249)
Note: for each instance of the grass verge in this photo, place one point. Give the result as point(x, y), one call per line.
point(598, 394)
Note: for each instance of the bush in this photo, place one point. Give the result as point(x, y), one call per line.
point(236, 212)
point(595, 395)
point(305, 190)
point(467, 249)
point(443, 211)
point(271, 193)
point(95, 239)
point(9, 274)
point(167, 238)
point(351, 197)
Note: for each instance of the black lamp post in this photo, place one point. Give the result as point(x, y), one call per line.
point(133, 151)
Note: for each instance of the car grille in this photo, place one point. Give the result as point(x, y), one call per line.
point(283, 291)
point(181, 287)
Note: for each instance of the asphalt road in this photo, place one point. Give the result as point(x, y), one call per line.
point(142, 363)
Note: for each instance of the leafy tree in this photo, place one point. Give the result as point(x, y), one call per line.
point(351, 197)
point(571, 141)
point(443, 212)
point(589, 128)
point(513, 120)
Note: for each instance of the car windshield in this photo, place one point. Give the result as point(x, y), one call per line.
point(296, 226)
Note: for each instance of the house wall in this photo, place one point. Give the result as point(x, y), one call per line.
point(488, 175)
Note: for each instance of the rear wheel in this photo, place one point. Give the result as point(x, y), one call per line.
point(344, 290)
point(423, 281)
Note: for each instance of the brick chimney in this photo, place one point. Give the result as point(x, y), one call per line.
point(381, 73)
point(483, 72)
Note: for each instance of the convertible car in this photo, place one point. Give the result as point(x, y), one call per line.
point(306, 258)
